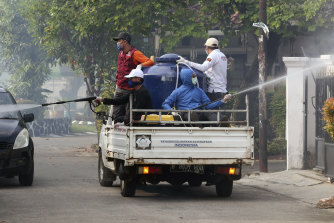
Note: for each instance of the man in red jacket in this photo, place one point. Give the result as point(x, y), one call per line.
point(129, 58)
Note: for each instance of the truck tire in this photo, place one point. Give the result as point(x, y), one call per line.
point(26, 178)
point(128, 188)
point(224, 188)
point(106, 177)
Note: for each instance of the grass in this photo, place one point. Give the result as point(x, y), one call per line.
point(76, 128)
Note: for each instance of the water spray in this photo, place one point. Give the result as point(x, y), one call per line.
point(19, 107)
point(273, 81)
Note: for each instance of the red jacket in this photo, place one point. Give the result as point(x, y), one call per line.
point(125, 65)
point(127, 62)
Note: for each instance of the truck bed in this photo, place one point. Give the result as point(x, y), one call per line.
point(181, 145)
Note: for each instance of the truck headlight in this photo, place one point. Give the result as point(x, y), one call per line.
point(22, 139)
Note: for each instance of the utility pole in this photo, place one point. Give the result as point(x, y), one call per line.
point(263, 161)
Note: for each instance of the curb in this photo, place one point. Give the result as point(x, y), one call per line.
point(306, 186)
point(68, 135)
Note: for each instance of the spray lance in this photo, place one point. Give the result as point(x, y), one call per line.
point(89, 99)
point(204, 105)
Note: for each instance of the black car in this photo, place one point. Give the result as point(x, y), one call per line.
point(16, 146)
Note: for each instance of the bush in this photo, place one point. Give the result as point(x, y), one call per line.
point(108, 90)
point(328, 116)
point(76, 128)
point(277, 146)
point(277, 108)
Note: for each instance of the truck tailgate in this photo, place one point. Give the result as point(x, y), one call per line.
point(183, 143)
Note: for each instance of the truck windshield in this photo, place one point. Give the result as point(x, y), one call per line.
point(7, 99)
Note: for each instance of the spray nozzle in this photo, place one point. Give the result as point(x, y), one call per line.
point(263, 26)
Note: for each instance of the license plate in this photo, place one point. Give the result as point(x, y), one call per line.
point(199, 169)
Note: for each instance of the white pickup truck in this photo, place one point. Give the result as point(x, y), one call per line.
point(176, 151)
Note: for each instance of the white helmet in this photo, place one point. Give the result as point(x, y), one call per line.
point(211, 42)
point(135, 73)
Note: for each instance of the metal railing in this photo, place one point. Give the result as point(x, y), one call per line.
point(324, 90)
point(188, 116)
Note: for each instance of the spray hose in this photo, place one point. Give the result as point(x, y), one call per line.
point(178, 73)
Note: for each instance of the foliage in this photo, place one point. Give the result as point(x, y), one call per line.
point(76, 128)
point(277, 107)
point(328, 116)
point(23, 59)
point(294, 16)
point(277, 146)
point(108, 92)
point(68, 32)
point(172, 20)
point(277, 121)
point(80, 32)
point(285, 17)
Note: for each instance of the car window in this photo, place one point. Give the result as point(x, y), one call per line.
point(7, 99)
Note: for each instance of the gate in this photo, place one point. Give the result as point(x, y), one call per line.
point(324, 144)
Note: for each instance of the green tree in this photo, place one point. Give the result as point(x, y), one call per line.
point(65, 30)
point(21, 57)
point(80, 32)
point(286, 18)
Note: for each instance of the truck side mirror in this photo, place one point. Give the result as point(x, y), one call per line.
point(28, 117)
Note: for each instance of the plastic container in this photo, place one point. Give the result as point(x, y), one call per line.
point(160, 79)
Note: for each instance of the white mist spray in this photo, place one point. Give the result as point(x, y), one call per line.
point(281, 78)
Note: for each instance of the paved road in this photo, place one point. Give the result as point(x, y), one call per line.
point(66, 190)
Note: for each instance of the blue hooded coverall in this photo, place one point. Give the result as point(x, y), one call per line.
point(188, 96)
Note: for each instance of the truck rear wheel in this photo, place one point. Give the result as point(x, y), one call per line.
point(128, 188)
point(224, 188)
point(106, 177)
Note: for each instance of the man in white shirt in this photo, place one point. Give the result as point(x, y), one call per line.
point(215, 68)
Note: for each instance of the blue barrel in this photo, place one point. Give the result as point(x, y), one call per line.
point(160, 79)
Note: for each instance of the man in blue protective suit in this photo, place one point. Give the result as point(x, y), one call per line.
point(189, 96)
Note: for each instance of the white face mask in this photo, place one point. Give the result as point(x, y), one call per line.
point(194, 80)
point(207, 53)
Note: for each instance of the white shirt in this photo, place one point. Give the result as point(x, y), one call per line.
point(215, 68)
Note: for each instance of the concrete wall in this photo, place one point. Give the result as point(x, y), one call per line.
point(295, 123)
point(49, 126)
point(300, 112)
